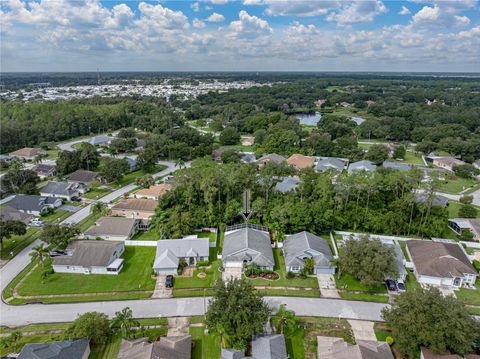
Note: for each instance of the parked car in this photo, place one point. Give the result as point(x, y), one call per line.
point(35, 222)
point(391, 285)
point(400, 286)
point(169, 281)
point(76, 199)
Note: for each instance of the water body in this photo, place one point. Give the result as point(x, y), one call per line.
point(358, 120)
point(308, 119)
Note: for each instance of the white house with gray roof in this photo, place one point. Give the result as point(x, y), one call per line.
point(246, 245)
point(170, 251)
point(300, 246)
point(330, 163)
point(364, 165)
point(34, 204)
point(63, 190)
point(113, 229)
point(100, 140)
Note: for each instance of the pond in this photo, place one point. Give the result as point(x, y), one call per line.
point(309, 119)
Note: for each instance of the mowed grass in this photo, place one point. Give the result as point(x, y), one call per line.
point(455, 185)
point(364, 297)
point(413, 158)
point(205, 346)
point(135, 275)
point(29, 339)
point(309, 282)
point(96, 193)
point(348, 282)
point(212, 274)
point(453, 208)
point(469, 296)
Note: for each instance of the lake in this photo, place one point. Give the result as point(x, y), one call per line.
point(309, 119)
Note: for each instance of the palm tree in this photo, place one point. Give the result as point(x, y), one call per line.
point(284, 319)
point(124, 320)
point(39, 252)
point(180, 163)
point(99, 208)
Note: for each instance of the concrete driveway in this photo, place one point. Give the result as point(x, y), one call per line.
point(362, 330)
point(327, 286)
point(161, 291)
point(232, 273)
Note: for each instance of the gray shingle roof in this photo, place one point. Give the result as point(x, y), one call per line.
point(66, 349)
point(269, 347)
point(305, 244)
point(170, 250)
point(83, 176)
point(330, 163)
point(59, 188)
point(361, 166)
point(397, 166)
point(100, 140)
point(337, 348)
point(44, 169)
point(89, 253)
point(248, 244)
point(11, 214)
point(287, 184)
point(272, 157)
point(174, 347)
point(31, 203)
point(438, 200)
point(114, 226)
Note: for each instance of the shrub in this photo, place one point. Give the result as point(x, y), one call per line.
point(290, 275)
point(466, 199)
point(202, 263)
point(389, 340)
point(476, 264)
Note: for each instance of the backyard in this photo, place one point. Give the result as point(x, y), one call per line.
point(469, 296)
point(455, 184)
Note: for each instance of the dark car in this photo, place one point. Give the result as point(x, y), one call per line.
point(391, 285)
point(76, 199)
point(169, 281)
point(57, 253)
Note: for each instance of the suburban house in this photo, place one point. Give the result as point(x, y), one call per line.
point(287, 184)
point(263, 347)
point(363, 165)
point(330, 163)
point(34, 204)
point(27, 153)
point(338, 348)
point(100, 140)
point(71, 349)
point(441, 264)
point(246, 244)
point(458, 225)
point(300, 246)
point(247, 140)
point(447, 163)
point(217, 154)
point(63, 190)
point(113, 229)
point(428, 354)
point(44, 170)
point(135, 208)
point(397, 166)
point(247, 157)
point(8, 213)
point(91, 257)
point(300, 162)
point(84, 177)
point(437, 200)
point(270, 158)
point(170, 251)
point(170, 347)
point(132, 164)
point(152, 192)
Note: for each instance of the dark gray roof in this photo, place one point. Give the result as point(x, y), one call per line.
point(363, 165)
point(269, 347)
point(113, 226)
point(247, 157)
point(100, 140)
point(169, 251)
point(89, 253)
point(248, 244)
point(397, 166)
point(438, 200)
point(83, 176)
point(272, 157)
point(59, 188)
point(305, 244)
point(287, 184)
point(8, 213)
point(175, 347)
point(66, 349)
point(328, 163)
point(44, 168)
point(232, 354)
point(31, 203)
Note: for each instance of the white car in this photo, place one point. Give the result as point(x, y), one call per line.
point(35, 222)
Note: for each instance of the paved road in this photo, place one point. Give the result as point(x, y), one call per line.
point(68, 146)
point(476, 197)
point(173, 307)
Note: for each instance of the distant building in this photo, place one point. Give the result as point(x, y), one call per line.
point(364, 165)
point(27, 153)
point(247, 140)
point(288, 184)
point(63, 190)
point(35, 205)
point(247, 157)
point(270, 158)
point(66, 349)
point(437, 199)
point(170, 347)
point(153, 192)
point(300, 162)
point(100, 140)
point(330, 163)
point(91, 257)
point(84, 177)
point(113, 229)
point(458, 225)
point(397, 166)
point(447, 163)
point(263, 347)
point(44, 170)
point(337, 348)
point(8, 213)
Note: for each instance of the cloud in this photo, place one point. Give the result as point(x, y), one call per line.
point(253, 2)
point(427, 14)
point(249, 26)
point(198, 24)
point(299, 7)
point(195, 6)
point(359, 11)
point(404, 11)
point(216, 17)
point(445, 13)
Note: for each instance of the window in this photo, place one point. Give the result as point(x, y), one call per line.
point(295, 269)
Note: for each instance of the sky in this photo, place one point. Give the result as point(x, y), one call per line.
point(240, 35)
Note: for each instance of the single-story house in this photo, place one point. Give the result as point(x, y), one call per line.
point(270, 158)
point(91, 257)
point(8, 213)
point(263, 347)
point(287, 184)
point(132, 163)
point(437, 199)
point(100, 140)
point(328, 163)
point(217, 154)
point(34, 204)
point(63, 190)
point(27, 153)
point(447, 163)
point(71, 349)
point(338, 348)
point(44, 170)
point(153, 192)
point(247, 245)
point(397, 166)
point(135, 208)
point(441, 264)
point(458, 225)
point(170, 251)
point(428, 354)
point(83, 176)
point(247, 140)
point(300, 162)
point(300, 246)
point(113, 229)
point(363, 165)
point(247, 157)
point(170, 347)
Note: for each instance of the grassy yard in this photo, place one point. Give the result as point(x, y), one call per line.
point(135, 275)
point(411, 282)
point(413, 158)
point(289, 293)
point(364, 297)
point(205, 346)
point(88, 222)
point(454, 207)
point(212, 236)
point(212, 274)
point(40, 338)
point(10, 245)
point(96, 193)
point(455, 185)
point(57, 216)
point(130, 177)
point(469, 296)
point(310, 282)
point(348, 282)
point(150, 235)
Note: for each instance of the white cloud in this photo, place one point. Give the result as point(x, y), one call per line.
point(445, 13)
point(359, 11)
point(195, 6)
point(249, 26)
point(253, 2)
point(217, 2)
point(216, 17)
point(461, 20)
point(427, 14)
point(198, 24)
point(299, 7)
point(404, 11)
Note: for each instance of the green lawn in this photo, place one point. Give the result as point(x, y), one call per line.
point(469, 296)
point(135, 275)
point(455, 185)
point(205, 346)
point(454, 207)
point(57, 216)
point(53, 154)
point(150, 235)
point(413, 158)
point(130, 177)
point(310, 282)
point(17, 243)
point(348, 282)
point(474, 310)
point(411, 282)
point(41, 338)
point(364, 297)
point(212, 236)
point(289, 293)
point(88, 222)
point(96, 193)
point(212, 274)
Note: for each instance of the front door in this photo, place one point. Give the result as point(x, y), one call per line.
point(191, 261)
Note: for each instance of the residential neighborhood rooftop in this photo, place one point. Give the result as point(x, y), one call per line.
point(300, 162)
point(89, 253)
point(296, 246)
point(9, 213)
point(154, 191)
point(136, 204)
point(83, 176)
point(113, 226)
point(67, 349)
point(27, 152)
point(337, 348)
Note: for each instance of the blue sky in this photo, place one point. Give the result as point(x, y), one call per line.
point(242, 35)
